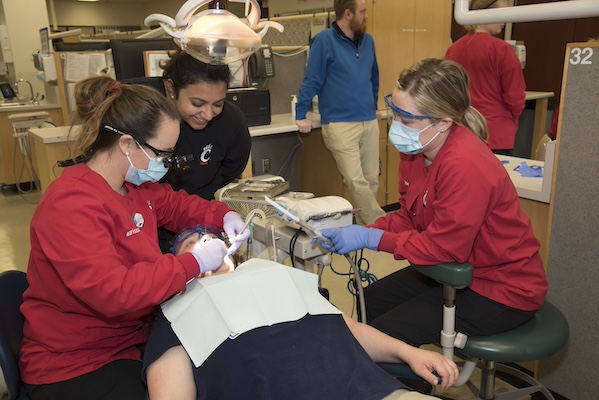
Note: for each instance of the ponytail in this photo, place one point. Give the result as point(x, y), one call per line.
point(475, 121)
point(135, 109)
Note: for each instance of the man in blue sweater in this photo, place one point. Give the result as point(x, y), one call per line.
point(343, 71)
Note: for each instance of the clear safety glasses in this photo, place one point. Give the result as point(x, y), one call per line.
point(398, 112)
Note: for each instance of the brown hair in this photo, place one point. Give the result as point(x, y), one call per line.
point(479, 5)
point(342, 5)
point(184, 70)
point(439, 88)
point(134, 109)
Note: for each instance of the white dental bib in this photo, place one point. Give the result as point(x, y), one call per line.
point(259, 293)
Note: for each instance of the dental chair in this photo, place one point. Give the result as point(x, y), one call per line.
point(541, 337)
point(12, 286)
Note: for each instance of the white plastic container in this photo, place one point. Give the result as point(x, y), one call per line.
point(315, 108)
point(293, 104)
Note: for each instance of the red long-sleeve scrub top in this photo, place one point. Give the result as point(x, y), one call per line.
point(96, 271)
point(497, 87)
point(464, 207)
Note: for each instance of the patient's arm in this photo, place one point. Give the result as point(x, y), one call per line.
point(171, 376)
point(384, 348)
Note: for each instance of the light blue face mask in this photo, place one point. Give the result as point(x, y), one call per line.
point(407, 140)
point(156, 170)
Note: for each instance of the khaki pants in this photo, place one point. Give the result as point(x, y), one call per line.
point(355, 148)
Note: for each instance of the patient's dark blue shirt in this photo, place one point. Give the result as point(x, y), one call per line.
point(316, 357)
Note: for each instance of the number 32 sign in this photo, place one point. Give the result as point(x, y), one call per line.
point(581, 56)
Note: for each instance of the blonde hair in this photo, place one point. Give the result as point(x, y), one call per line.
point(439, 88)
point(134, 109)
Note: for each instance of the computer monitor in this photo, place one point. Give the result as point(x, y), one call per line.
point(128, 55)
point(81, 46)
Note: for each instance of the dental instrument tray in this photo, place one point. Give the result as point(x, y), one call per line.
point(244, 202)
point(258, 189)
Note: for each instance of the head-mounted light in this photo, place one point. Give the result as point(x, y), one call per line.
point(168, 158)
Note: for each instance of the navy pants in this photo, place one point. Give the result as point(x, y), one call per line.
point(119, 380)
point(409, 306)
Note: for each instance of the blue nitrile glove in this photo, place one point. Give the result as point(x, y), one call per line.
point(234, 228)
point(529, 171)
point(209, 254)
point(352, 238)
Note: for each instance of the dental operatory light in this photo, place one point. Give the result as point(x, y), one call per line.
point(215, 36)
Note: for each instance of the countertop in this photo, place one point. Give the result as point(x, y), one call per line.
point(538, 189)
point(538, 95)
point(55, 134)
point(26, 107)
point(280, 123)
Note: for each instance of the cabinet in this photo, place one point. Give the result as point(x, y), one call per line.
point(407, 31)
point(319, 173)
point(12, 162)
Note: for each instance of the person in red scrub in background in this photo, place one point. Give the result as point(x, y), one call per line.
point(497, 86)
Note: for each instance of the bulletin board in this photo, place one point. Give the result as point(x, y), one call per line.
point(71, 67)
point(290, 66)
point(153, 61)
point(573, 262)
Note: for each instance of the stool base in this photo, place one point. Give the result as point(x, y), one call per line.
point(487, 388)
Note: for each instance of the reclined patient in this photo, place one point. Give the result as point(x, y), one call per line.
point(238, 335)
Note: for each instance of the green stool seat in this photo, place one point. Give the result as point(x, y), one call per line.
point(544, 335)
point(451, 273)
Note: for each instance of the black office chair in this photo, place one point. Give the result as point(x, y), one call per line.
point(12, 286)
point(539, 338)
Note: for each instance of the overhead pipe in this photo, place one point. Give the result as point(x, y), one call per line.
point(528, 13)
point(53, 15)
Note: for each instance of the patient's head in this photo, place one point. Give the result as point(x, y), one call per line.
point(186, 240)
